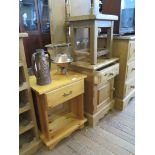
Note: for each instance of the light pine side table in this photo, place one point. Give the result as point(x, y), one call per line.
point(60, 106)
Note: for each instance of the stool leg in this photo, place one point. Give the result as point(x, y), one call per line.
point(110, 38)
point(73, 42)
point(93, 33)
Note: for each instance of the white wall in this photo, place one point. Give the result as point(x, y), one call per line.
point(80, 7)
point(57, 20)
point(57, 16)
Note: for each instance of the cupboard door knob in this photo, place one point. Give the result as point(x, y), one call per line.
point(66, 94)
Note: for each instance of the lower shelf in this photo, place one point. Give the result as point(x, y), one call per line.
point(30, 148)
point(62, 120)
point(23, 129)
point(23, 86)
point(25, 108)
point(63, 124)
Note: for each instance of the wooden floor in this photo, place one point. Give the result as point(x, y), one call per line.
point(114, 135)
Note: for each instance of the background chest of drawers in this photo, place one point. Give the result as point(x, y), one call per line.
point(124, 84)
point(29, 141)
point(124, 49)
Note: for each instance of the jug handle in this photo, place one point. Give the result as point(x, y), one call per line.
point(49, 56)
point(33, 64)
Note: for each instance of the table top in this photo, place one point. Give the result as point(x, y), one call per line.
point(58, 81)
point(93, 17)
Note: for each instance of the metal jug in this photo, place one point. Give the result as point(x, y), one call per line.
point(41, 67)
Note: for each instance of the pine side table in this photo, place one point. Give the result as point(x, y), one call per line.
point(60, 106)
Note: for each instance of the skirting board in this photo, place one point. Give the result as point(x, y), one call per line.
point(93, 119)
point(120, 104)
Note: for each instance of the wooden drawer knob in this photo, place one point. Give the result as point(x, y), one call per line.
point(66, 94)
point(113, 89)
point(111, 74)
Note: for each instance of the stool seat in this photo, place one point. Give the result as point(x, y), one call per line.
point(95, 17)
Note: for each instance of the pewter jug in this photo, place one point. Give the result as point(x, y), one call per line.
point(41, 67)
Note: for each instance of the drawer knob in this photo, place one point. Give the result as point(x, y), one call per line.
point(132, 87)
point(133, 69)
point(111, 74)
point(66, 94)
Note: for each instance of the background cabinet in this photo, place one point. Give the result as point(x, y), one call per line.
point(99, 87)
point(34, 19)
point(124, 49)
point(28, 132)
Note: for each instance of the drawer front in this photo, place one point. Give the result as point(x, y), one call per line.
point(129, 87)
point(65, 93)
point(131, 54)
point(106, 74)
point(130, 71)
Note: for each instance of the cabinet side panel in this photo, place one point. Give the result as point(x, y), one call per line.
point(120, 50)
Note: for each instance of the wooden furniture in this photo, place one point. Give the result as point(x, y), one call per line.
point(98, 99)
point(124, 49)
point(34, 20)
point(60, 106)
point(28, 132)
point(92, 22)
point(125, 10)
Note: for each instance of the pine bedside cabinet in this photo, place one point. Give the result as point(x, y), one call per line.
point(60, 106)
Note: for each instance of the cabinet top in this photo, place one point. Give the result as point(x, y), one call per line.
point(57, 81)
point(101, 62)
point(93, 17)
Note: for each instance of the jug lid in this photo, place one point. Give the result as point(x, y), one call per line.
point(39, 50)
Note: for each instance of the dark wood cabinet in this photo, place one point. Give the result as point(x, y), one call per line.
point(34, 19)
point(125, 10)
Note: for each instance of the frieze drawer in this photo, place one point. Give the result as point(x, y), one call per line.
point(131, 55)
point(103, 75)
point(129, 86)
point(65, 93)
point(130, 71)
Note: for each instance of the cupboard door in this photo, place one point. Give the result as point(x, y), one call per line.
point(104, 95)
